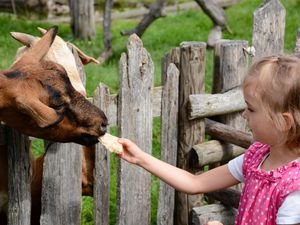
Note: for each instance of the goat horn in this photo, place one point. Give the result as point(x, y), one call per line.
point(85, 59)
point(39, 50)
point(42, 30)
point(25, 39)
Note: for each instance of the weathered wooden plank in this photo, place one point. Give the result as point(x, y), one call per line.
point(135, 122)
point(61, 190)
point(111, 112)
point(228, 133)
point(206, 105)
point(268, 29)
point(168, 140)
point(228, 197)
point(102, 164)
point(201, 215)
point(213, 151)
point(297, 47)
point(173, 56)
point(230, 70)
point(156, 101)
point(190, 132)
point(19, 178)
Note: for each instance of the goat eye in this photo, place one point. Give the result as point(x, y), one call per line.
point(59, 106)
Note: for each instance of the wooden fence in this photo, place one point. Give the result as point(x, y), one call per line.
point(183, 107)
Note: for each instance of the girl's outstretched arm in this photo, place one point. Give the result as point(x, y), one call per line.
point(181, 180)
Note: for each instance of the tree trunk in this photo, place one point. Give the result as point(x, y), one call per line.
point(82, 19)
point(107, 32)
point(156, 11)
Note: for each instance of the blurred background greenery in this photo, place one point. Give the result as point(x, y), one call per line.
point(164, 34)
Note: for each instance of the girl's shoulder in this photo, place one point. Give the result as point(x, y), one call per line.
point(257, 150)
point(255, 154)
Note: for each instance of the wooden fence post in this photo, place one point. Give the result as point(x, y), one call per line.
point(190, 132)
point(268, 29)
point(102, 165)
point(135, 123)
point(168, 140)
point(61, 189)
point(232, 67)
point(19, 178)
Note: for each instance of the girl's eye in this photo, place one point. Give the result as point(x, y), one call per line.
point(250, 110)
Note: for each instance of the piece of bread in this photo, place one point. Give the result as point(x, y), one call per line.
point(111, 143)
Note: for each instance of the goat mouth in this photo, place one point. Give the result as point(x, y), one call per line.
point(87, 140)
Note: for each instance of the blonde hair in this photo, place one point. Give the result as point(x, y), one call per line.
point(276, 80)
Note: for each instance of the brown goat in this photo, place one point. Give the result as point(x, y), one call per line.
point(62, 99)
point(37, 99)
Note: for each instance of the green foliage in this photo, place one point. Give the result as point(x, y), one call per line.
point(164, 34)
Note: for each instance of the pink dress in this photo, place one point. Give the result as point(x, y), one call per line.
point(264, 192)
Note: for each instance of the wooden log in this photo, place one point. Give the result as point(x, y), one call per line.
point(268, 29)
point(191, 132)
point(228, 197)
point(201, 215)
point(168, 140)
point(135, 123)
point(297, 47)
point(61, 190)
point(102, 165)
point(19, 178)
point(206, 105)
point(227, 133)
point(213, 151)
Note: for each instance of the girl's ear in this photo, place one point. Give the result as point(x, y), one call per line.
point(289, 120)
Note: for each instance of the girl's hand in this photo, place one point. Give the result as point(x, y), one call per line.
point(132, 153)
point(214, 223)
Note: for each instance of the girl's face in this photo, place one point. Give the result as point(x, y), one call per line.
point(262, 128)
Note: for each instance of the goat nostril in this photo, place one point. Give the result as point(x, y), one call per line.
point(103, 129)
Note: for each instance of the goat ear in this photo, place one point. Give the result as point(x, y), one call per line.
point(43, 115)
point(85, 59)
point(39, 50)
point(25, 39)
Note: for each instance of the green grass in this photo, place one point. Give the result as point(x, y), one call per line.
point(164, 34)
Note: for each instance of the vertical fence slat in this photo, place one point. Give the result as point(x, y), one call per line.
point(268, 29)
point(232, 67)
point(168, 140)
point(233, 64)
point(19, 179)
point(61, 190)
point(135, 122)
point(102, 165)
point(190, 132)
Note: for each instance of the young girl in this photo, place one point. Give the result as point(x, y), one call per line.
point(270, 167)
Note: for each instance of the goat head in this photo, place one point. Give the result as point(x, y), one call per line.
point(38, 99)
